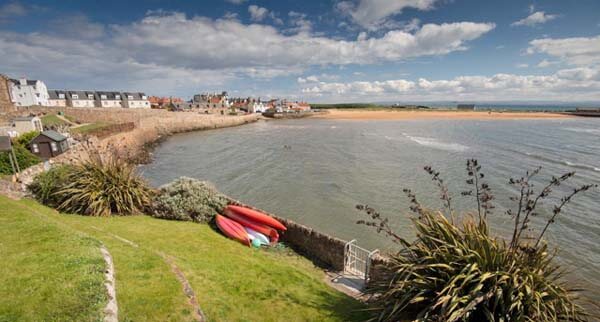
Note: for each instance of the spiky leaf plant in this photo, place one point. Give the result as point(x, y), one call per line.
point(104, 184)
point(458, 271)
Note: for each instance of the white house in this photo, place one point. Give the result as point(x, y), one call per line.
point(80, 99)
point(135, 100)
point(256, 106)
point(109, 99)
point(26, 124)
point(57, 98)
point(24, 92)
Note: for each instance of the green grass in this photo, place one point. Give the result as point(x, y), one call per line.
point(88, 128)
point(53, 120)
point(232, 282)
point(48, 272)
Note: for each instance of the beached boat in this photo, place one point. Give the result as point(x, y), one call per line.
point(257, 216)
point(233, 229)
point(270, 232)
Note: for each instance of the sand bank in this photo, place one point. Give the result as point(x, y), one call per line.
point(433, 114)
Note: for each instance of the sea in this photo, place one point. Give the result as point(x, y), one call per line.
point(315, 172)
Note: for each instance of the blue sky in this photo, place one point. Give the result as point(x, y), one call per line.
point(320, 51)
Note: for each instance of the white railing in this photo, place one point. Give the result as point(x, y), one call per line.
point(357, 260)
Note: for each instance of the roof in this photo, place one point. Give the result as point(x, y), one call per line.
point(82, 95)
point(110, 95)
point(5, 143)
point(24, 118)
point(136, 96)
point(53, 135)
point(53, 94)
point(30, 82)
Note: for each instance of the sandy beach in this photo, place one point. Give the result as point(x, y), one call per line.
point(341, 114)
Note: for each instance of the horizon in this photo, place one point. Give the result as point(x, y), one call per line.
point(359, 51)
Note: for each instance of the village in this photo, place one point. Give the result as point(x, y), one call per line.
point(30, 107)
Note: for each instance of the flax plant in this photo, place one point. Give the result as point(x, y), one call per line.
point(103, 183)
point(460, 272)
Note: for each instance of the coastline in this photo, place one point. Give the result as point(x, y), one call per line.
point(366, 114)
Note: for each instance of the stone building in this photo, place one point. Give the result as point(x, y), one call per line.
point(6, 104)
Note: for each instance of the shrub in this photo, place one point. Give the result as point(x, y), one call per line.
point(104, 184)
point(188, 199)
point(25, 159)
point(460, 272)
point(24, 139)
point(45, 186)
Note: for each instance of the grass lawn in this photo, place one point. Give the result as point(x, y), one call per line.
point(232, 282)
point(49, 272)
point(85, 129)
point(53, 120)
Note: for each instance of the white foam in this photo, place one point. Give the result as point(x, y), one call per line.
point(435, 144)
point(582, 130)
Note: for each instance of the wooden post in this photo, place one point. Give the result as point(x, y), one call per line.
point(12, 150)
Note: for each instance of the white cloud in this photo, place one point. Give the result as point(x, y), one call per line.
point(575, 51)
point(12, 9)
point(169, 53)
point(522, 65)
point(535, 18)
point(299, 22)
point(257, 13)
point(568, 84)
point(546, 63)
point(374, 14)
point(236, 1)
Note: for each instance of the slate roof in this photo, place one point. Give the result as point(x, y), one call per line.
point(83, 95)
point(53, 94)
point(30, 82)
point(53, 135)
point(136, 96)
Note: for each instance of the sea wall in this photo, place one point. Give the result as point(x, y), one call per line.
point(324, 250)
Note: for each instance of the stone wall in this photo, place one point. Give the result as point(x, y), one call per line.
point(323, 250)
point(6, 104)
point(379, 269)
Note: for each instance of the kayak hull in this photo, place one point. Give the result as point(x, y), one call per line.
point(248, 223)
point(257, 216)
point(233, 229)
point(252, 234)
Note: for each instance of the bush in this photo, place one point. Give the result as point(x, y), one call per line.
point(459, 272)
point(24, 139)
point(25, 159)
point(104, 185)
point(189, 200)
point(46, 185)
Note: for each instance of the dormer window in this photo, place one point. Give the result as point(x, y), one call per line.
point(144, 97)
point(130, 97)
point(91, 96)
point(118, 97)
point(61, 96)
point(103, 96)
point(75, 96)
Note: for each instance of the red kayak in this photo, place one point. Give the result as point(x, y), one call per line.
point(257, 216)
point(263, 229)
point(233, 230)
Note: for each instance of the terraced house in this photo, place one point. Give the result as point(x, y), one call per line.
point(135, 100)
point(108, 99)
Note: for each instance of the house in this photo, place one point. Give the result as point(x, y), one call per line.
point(163, 102)
point(49, 144)
point(212, 100)
point(465, 107)
point(108, 99)
point(80, 99)
point(57, 98)
point(25, 92)
point(135, 100)
point(26, 124)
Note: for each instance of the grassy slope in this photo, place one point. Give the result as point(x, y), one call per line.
point(232, 282)
point(52, 120)
point(89, 127)
point(48, 273)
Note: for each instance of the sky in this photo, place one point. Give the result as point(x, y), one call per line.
point(317, 51)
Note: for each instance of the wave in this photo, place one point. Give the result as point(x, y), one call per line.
point(582, 130)
point(564, 162)
point(434, 143)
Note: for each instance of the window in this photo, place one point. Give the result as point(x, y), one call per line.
point(144, 97)
point(37, 94)
point(130, 97)
point(91, 96)
point(61, 95)
point(75, 96)
point(118, 97)
point(54, 146)
point(103, 96)
point(35, 148)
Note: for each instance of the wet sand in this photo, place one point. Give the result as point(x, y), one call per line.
point(341, 114)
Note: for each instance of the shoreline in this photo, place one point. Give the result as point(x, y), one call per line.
point(361, 115)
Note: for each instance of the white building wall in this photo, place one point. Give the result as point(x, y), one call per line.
point(83, 103)
point(28, 95)
point(57, 102)
point(111, 103)
point(138, 104)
